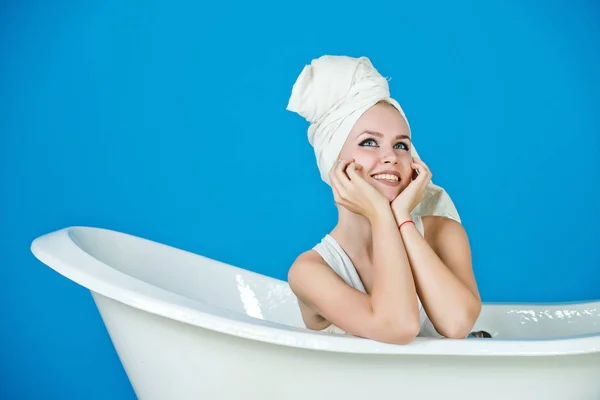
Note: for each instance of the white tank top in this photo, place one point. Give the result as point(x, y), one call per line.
point(335, 256)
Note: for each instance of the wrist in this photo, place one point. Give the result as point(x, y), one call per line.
point(399, 212)
point(383, 212)
point(402, 216)
point(404, 223)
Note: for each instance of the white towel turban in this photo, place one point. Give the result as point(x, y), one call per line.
point(332, 93)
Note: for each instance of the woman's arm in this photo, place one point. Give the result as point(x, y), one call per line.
point(441, 266)
point(389, 314)
point(394, 295)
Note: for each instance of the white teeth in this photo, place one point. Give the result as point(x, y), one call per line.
point(387, 177)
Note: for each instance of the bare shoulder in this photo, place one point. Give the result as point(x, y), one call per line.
point(441, 230)
point(308, 268)
point(305, 264)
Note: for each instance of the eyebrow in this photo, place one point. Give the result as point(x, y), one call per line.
point(375, 133)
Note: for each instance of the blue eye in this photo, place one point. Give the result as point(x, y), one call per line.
point(364, 142)
point(373, 143)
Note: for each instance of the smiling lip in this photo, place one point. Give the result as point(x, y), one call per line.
point(388, 183)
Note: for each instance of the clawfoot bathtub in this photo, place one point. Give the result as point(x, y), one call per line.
point(189, 327)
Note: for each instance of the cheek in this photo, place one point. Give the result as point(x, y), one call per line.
point(363, 156)
point(360, 156)
point(405, 168)
point(347, 153)
point(365, 161)
point(406, 160)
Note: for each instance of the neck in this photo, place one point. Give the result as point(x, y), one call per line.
point(353, 233)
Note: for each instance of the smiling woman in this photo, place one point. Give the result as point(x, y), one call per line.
point(119, 117)
point(385, 157)
point(398, 238)
point(390, 177)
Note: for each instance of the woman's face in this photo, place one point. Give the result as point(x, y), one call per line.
point(380, 142)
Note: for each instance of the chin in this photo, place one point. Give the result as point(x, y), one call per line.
point(391, 197)
point(390, 194)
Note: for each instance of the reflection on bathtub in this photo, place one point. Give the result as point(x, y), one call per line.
point(251, 304)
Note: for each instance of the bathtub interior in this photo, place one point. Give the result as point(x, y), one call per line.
point(540, 321)
point(264, 298)
point(192, 276)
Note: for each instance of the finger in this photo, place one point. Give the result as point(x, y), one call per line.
point(423, 177)
point(335, 182)
point(345, 164)
point(422, 172)
point(352, 171)
point(332, 173)
point(357, 167)
point(422, 164)
point(355, 176)
point(340, 200)
point(340, 172)
point(339, 180)
point(336, 196)
point(421, 168)
point(417, 167)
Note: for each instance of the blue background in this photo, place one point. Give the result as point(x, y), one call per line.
point(167, 120)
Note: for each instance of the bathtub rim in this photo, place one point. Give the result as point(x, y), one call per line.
point(61, 253)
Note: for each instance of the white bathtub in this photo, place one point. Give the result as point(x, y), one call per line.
point(189, 327)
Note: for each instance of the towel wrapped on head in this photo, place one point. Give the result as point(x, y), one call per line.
point(332, 93)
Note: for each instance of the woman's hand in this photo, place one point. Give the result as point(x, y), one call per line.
point(408, 199)
point(353, 192)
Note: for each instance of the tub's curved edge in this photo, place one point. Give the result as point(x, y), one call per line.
point(58, 251)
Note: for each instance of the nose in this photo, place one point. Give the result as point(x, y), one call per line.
point(389, 157)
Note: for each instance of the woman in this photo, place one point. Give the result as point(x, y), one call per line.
point(386, 267)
